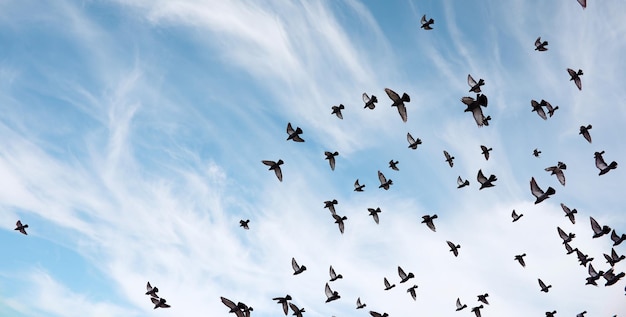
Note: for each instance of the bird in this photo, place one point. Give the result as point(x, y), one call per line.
point(612, 278)
point(276, 167)
point(536, 152)
point(413, 143)
point(569, 213)
point(583, 258)
point(460, 306)
point(340, 222)
point(483, 298)
point(617, 239)
point(551, 314)
point(331, 158)
point(411, 290)
point(484, 181)
point(152, 291)
point(538, 108)
point(337, 111)
point(540, 46)
point(296, 311)
point(387, 285)
point(374, 213)
point(330, 204)
point(294, 134)
point(583, 3)
point(236, 308)
point(476, 310)
point(358, 187)
point(568, 248)
point(394, 165)
point(601, 164)
point(538, 192)
point(461, 183)
point(403, 276)
point(426, 24)
point(543, 286)
point(520, 258)
point(449, 158)
point(593, 275)
point(334, 276)
point(454, 248)
point(244, 223)
point(598, 230)
point(159, 302)
point(428, 220)
point(584, 131)
point(474, 106)
point(375, 314)
point(575, 76)
point(549, 107)
point(515, 216)
point(558, 171)
point(485, 151)
point(330, 294)
point(359, 305)
point(384, 183)
point(283, 302)
point(399, 102)
point(613, 258)
point(369, 102)
point(581, 314)
point(297, 269)
point(20, 227)
point(566, 237)
point(474, 86)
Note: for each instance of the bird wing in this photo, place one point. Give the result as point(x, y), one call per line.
point(571, 72)
point(586, 135)
point(578, 83)
point(458, 303)
point(560, 176)
point(467, 101)
point(452, 246)
point(548, 106)
point(534, 188)
point(332, 273)
point(431, 225)
point(538, 41)
point(375, 216)
point(423, 19)
point(331, 161)
point(279, 173)
point(225, 300)
point(381, 178)
point(470, 80)
point(583, 3)
point(294, 264)
point(328, 291)
point(478, 116)
point(459, 181)
point(289, 128)
point(386, 282)
point(592, 271)
point(296, 310)
point(563, 235)
point(392, 95)
point(481, 177)
point(268, 163)
point(401, 273)
point(541, 283)
point(402, 111)
point(366, 98)
point(600, 163)
point(410, 138)
point(595, 226)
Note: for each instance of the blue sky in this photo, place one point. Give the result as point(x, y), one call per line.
point(131, 135)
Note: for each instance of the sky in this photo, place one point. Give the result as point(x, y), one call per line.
point(132, 134)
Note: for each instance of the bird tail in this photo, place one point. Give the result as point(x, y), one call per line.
point(613, 165)
point(406, 97)
point(550, 191)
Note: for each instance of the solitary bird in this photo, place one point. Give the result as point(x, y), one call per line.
point(399, 102)
point(454, 248)
point(334, 276)
point(601, 164)
point(20, 227)
point(244, 223)
point(538, 192)
point(551, 314)
point(543, 286)
point(369, 102)
point(159, 302)
point(584, 131)
point(536, 152)
point(460, 306)
point(617, 239)
point(358, 187)
point(387, 285)
point(394, 165)
point(483, 298)
point(575, 76)
point(558, 171)
point(374, 213)
point(474, 86)
point(294, 134)
point(569, 213)
point(330, 204)
point(428, 220)
point(598, 230)
point(331, 158)
point(413, 143)
point(384, 183)
point(566, 237)
point(537, 107)
point(360, 305)
point(583, 3)
point(412, 290)
point(484, 181)
point(485, 151)
point(284, 302)
point(297, 269)
point(337, 111)
point(296, 311)
point(474, 106)
point(403, 276)
point(340, 222)
point(426, 24)
point(520, 258)
point(515, 216)
point(461, 183)
point(476, 310)
point(276, 167)
point(330, 294)
point(540, 46)
point(449, 158)
point(152, 291)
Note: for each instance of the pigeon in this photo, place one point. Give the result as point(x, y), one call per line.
point(334, 276)
point(413, 143)
point(331, 158)
point(611, 278)
point(569, 213)
point(358, 187)
point(558, 171)
point(244, 223)
point(283, 302)
point(540, 46)
point(449, 158)
point(551, 314)
point(566, 237)
point(568, 248)
point(20, 227)
point(387, 285)
point(369, 102)
point(515, 216)
point(460, 306)
point(426, 24)
point(461, 183)
point(583, 258)
point(399, 102)
point(394, 165)
point(601, 165)
point(484, 181)
point(375, 314)
point(485, 151)
point(473, 106)
point(538, 108)
point(237, 309)
point(598, 231)
point(374, 213)
point(159, 302)
point(330, 294)
point(538, 192)
point(152, 291)
point(617, 239)
point(330, 204)
point(294, 134)
point(583, 3)
point(339, 221)
point(575, 76)
point(486, 120)
point(337, 111)
point(296, 311)
point(520, 258)
point(474, 86)
point(483, 298)
point(428, 220)
point(297, 269)
point(359, 305)
point(384, 183)
point(549, 107)
point(581, 314)
point(613, 258)
point(593, 275)
point(454, 248)
point(403, 276)
point(536, 152)
point(276, 167)
point(584, 130)
point(543, 286)
point(476, 310)
point(411, 290)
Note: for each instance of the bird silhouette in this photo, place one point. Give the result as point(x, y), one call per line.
point(536, 152)
point(296, 311)
point(520, 258)
point(339, 220)
point(515, 216)
point(549, 107)
point(474, 86)
point(412, 290)
point(598, 230)
point(394, 165)
point(537, 107)
point(403, 276)
point(485, 151)
point(384, 183)
point(474, 106)
point(426, 24)
point(331, 158)
point(601, 164)
point(484, 181)
point(330, 204)
point(399, 102)
point(360, 305)
point(483, 298)
point(428, 220)
point(387, 285)
point(337, 110)
point(358, 187)
point(617, 239)
point(449, 158)
point(413, 143)
point(461, 183)
point(244, 223)
point(159, 303)
point(374, 213)
point(284, 302)
point(476, 310)
point(566, 237)
point(297, 269)
point(584, 131)
point(558, 171)
point(540, 46)
point(569, 213)
point(460, 306)
point(454, 248)
point(276, 167)
point(294, 134)
point(330, 294)
point(575, 76)
point(369, 102)
point(544, 287)
point(334, 276)
point(152, 291)
point(20, 227)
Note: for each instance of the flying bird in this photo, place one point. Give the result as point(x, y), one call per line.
point(369, 102)
point(276, 167)
point(20, 227)
point(331, 158)
point(399, 102)
point(601, 164)
point(515, 216)
point(593, 275)
point(460, 306)
point(358, 187)
point(583, 258)
point(484, 181)
point(551, 314)
point(384, 183)
point(449, 158)
point(581, 314)
point(568, 248)
point(566, 237)
point(244, 223)
point(485, 151)
point(538, 192)
point(152, 291)
point(387, 285)
point(537, 107)
point(296, 311)
point(474, 106)
point(297, 269)
point(337, 111)
point(598, 230)
point(238, 308)
point(543, 286)
point(330, 294)
point(569, 213)
point(476, 310)
point(283, 301)
point(340, 222)
point(359, 305)
point(520, 258)
point(483, 298)
point(611, 278)
point(403, 276)
point(412, 290)
point(613, 258)
point(413, 143)
point(536, 152)
point(375, 314)
point(426, 24)
point(374, 213)
point(575, 76)
point(428, 220)
point(334, 276)
point(461, 183)
point(159, 302)
point(558, 171)
point(540, 46)
point(584, 131)
point(583, 3)
point(454, 248)
point(549, 107)
point(474, 86)
point(294, 134)
point(330, 204)
point(617, 239)
point(394, 165)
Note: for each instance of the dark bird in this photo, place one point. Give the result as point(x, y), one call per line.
point(568, 248)
point(384, 183)
point(536, 152)
point(294, 134)
point(334, 276)
point(413, 143)
point(403, 276)
point(461, 183)
point(575, 76)
point(331, 158)
point(584, 130)
point(330, 294)
point(20, 227)
point(617, 239)
point(337, 111)
point(486, 120)
point(539, 109)
point(583, 259)
point(540, 46)
point(297, 269)
point(426, 24)
point(359, 305)
point(549, 107)
point(484, 181)
point(449, 158)
point(394, 165)
point(613, 258)
point(515, 216)
point(558, 171)
point(358, 187)
point(485, 151)
point(476, 310)
point(159, 302)
point(601, 165)
point(483, 298)
point(428, 220)
point(374, 213)
point(283, 302)
point(412, 290)
point(581, 314)
point(460, 306)
point(583, 3)
point(330, 204)
point(611, 278)
point(593, 275)
point(520, 258)
point(152, 291)
point(238, 309)
point(474, 106)
point(399, 102)
point(375, 314)
point(474, 86)
point(340, 222)
point(244, 223)
point(276, 167)
point(543, 286)
point(369, 102)
point(566, 237)
point(387, 285)
point(296, 311)
point(569, 213)
point(538, 192)
point(454, 248)
point(598, 230)
point(551, 314)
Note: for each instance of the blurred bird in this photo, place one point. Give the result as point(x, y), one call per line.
point(568, 248)
point(384, 183)
point(549, 107)
point(460, 306)
point(283, 301)
point(584, 131)
point(374, 213)
point(515, 216)
point(20, 227)
point(399, 102)
point(583, 3)
point(428, 220)
point(485, 151)
point(375, 314)
point(330, 204)
point(412, 290)
point(358, 187)
point(538, 108)
point(237, 309)
point(569, 213)
point(276, 167)
point(476, 310)
point(359, 305)
point(296, 311)
point(558, 171)
point(474, 106)
point(426, 24)
point(449, 158)
point(152, 291)
point(611, 278)
point(483, 298)
point(520, 258)
point(461, 183)
point(244, 223)
point(566, 237)
point(387, 285)
point(613, 258)
point(454, 248)
point(598, 230)
point(413, 143)
point(334, 276)
point(294, 134)
point(601, 164)
point(369, 102)
point(330, 294)
point(575, 76)
point(297, 269)
point(581, 314)
point(540, 46)
point(394, 165)
point(340, 222)
point(536, 152)
point(617, 239)
point(543, 286)
point(474, 86)
point(337, 111)
point(538, 192)
point(403, 276)
point(484, 181)
point(551, 314)
point(159, 302)
point(583, 259)
point(331, 158)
